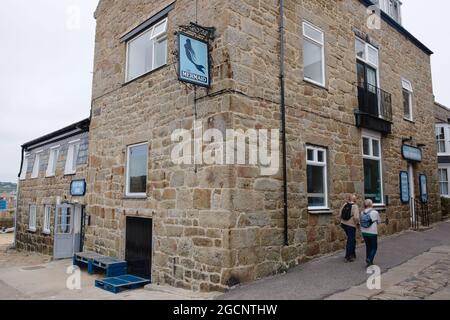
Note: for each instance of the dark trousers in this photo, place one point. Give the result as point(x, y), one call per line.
point(371, 247)
point(351, 241)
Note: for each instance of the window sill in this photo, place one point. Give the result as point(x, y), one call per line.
point(46, 233)
point(32, 230)
point(320, 212)
point(70, 174)
point(144, 75)
point(409, 120)
point(315, 84)
point(50, 176)
point(135, 197)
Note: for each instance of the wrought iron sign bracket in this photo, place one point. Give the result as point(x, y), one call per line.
point(194, 29)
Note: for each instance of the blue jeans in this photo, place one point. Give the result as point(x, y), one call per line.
point(371, 247)
point(351, 241)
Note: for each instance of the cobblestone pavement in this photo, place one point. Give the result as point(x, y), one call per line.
point(432, 283)
point(12, 258)
point(425, 277)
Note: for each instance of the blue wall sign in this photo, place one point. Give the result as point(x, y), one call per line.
point(3, 205)
point(423, 180)
point(193, 60)
point(411, 153)
point(404, 187)
point(78, 188)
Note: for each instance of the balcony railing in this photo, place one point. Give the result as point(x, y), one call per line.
point(374, 101)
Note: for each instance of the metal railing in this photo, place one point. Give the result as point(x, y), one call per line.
point(421, 216)
point(374, 101)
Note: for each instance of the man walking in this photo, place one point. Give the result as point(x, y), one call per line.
point(349, 222)
point(370, 219)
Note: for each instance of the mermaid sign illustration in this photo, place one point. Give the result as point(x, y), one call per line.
point(194, 60)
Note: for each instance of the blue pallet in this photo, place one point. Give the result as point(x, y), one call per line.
point(121, 283)
point(112, 267)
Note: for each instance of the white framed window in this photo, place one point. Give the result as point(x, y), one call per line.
point(52, 161)
point(47, 219)
point(443, 182)
point(23, 174)
point(317, 178)
point(373, 168)
point(36, 165)
point(313, 54)
point(147, 51)
point(366, 53)
point(392, 8)
point(443, 139)
point(407, 99)
point(72, 157)
point(32, 218)
point(137, 168)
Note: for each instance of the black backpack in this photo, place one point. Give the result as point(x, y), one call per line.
point(346, 213)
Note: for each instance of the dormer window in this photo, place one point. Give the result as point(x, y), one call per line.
point(391, 8)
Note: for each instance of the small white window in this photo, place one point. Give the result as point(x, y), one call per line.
point(366, 53)
point(443, 139)
point(52, 161)
point(313, 54)
point(32, 218)
point(316, 162)
point(407, 100)
point(36, 165)
point(72, 157)
point(23, 174)
point(47, 219)
point(137, 167)
point(443, 182)
point(147, 51)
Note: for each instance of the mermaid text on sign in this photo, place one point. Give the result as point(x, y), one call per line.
point(193, 60)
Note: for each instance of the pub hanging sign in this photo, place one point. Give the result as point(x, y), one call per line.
point(411, 153)
point(193, 60)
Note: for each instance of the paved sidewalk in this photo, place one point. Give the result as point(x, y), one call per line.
point(426, 276)
point(326, 276)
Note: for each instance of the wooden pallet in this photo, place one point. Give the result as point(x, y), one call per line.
point(121, 283)
point(94, 261)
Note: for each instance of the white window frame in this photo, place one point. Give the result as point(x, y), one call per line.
point(374, 137)
point(47, 219)
point(127, 180)
point(322, 45)
point(32, 215)
point(23, 174)
point(407, 86)
point(446, 140)
point(316, 163)
point(72, 158)
point(52, 161)
point(443, 181)
point(36, 165)
point(162, 36)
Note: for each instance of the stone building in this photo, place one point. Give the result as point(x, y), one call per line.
point(51, 203)
point(442, 115)
point(358, 106)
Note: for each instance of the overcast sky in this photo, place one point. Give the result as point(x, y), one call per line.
point(46, 62)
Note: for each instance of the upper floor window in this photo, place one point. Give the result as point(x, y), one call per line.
point(137, 167)
point(392, 8)
point(147, 51)
point(316, 161)
point(407, 100)
point(443, 139)
point(313, 54)
point(36, 165)
point(72, 157)
point(52, 161)
point(23, 174)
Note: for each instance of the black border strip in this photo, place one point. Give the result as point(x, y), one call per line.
point(148, 23)
point(399, 28)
